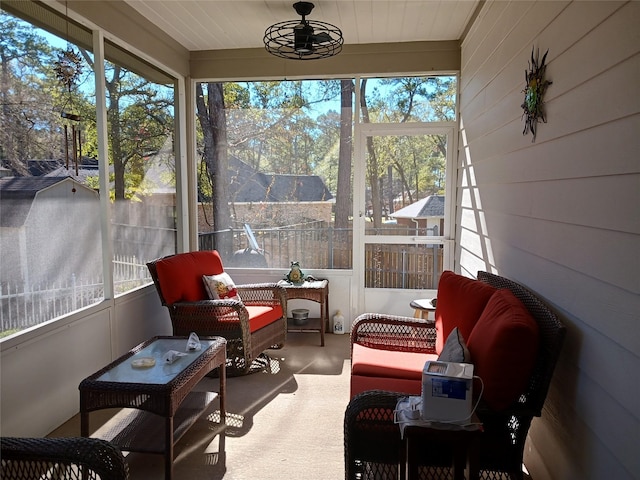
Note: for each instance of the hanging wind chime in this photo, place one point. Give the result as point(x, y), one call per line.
point(68, 68)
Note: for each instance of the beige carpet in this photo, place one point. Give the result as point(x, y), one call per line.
point(285, 423)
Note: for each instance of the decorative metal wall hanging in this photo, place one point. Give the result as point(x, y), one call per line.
point(533, 92)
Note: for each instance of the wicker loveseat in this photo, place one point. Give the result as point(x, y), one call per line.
point(372, 441)
point(252, 322)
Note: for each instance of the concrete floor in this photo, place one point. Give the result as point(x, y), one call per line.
point(282, 423)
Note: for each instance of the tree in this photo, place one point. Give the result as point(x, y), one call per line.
point(212, 117)
point(402, 100)
point(373, 174)
point(138, 124)
point(343, 189)
point(26, 112)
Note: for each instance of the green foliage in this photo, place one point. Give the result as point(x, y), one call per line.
point(287, 127)
point(140, 113)
point(25, 94)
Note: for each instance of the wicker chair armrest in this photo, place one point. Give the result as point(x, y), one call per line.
point(379, 405)
point(35, 457)
point(209, 317)
point(262, 294)
point(370, 434)
point(392, 332)
point(218, 307)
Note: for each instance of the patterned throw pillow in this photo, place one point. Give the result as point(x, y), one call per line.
point(220, 287)
point(455, 349)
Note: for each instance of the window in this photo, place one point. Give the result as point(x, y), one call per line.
point(409, 99)
point(141, 126)
point(51, 245)
point(281, 181)
point(275, 172)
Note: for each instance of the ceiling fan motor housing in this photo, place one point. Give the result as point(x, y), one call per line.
point(303, 8)
point(303, 38)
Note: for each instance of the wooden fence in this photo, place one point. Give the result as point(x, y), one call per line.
point(411, 267)
point(320, 247)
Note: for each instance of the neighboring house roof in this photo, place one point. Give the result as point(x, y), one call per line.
point(84, 172)
point(431, 206)
point(247, 185)
point(42, 167)
point(17, 194)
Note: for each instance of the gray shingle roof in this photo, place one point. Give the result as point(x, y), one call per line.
point(17, 194)
point(431, 206)
point(247, 185)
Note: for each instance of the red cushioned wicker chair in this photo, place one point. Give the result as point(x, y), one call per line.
point(251, 325)
point(72, 458)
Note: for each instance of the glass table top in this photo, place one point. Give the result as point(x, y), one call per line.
point(161, 372)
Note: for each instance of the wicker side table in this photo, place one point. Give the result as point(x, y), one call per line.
point(162, 390)
point(316, 291)
point(375, 448)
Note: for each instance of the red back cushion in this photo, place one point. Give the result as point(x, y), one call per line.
point(461, 300)
point(180, 276)
point(504, 346)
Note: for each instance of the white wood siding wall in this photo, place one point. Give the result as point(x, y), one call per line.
point(562, 215)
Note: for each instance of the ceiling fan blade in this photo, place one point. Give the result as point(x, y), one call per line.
point(323, 37)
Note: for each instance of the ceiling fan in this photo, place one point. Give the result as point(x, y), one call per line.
point(303, 39)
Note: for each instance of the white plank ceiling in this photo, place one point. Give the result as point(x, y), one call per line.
point(224, 24)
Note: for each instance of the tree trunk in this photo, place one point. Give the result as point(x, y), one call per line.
point(343, 188)
point(372, 166)
point(113, 119)
point(213, 121)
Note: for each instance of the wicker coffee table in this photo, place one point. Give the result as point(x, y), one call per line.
point(162, 390)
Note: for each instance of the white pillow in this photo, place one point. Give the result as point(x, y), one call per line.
point(220, 287)
point(455, 349)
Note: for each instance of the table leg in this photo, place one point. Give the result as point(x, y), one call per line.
point(472, 461)
point(168, 454)
point(324, 319)
point(222, 372)
point(84, 424)
point(459, 463)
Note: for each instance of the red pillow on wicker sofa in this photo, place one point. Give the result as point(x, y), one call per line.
point(504, 346)
point(180, 276)
point(461, 300)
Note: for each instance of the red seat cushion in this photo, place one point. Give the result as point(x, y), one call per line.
point(180, 276)
point(504, 346)
point(373, 362)
point(461, 301)
point(260, 316)
point(361, 384)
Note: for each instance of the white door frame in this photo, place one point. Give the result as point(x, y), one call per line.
point(375, 299)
